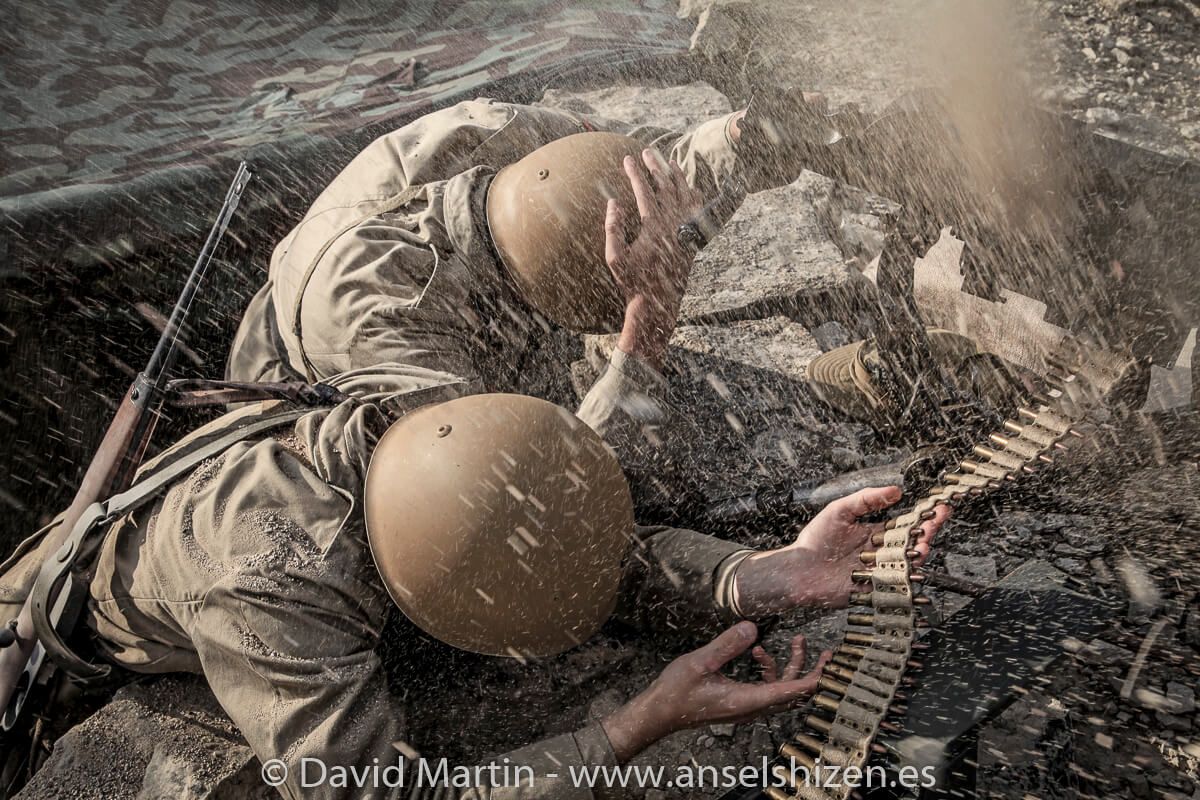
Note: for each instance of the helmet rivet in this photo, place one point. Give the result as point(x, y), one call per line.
point(543, 174)
point(443, 431)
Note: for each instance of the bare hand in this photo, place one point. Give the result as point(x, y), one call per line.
point(691, 692)
point(652, 271)
point(815, 570)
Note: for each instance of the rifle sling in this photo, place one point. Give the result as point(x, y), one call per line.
point(52, 617)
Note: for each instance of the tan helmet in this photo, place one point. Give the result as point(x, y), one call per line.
point(499, 523)
point(546, 217)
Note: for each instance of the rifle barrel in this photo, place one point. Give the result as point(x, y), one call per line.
point(164, 351)
point(113, 466)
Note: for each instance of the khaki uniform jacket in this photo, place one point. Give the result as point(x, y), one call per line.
point(392, 266)
point(255, 571)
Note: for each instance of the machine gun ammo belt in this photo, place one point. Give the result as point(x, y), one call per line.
point(860, 682)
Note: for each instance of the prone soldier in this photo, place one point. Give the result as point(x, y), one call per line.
point(499, 524)
point(457, 243)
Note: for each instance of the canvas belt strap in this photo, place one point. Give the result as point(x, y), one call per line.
point(55, 610)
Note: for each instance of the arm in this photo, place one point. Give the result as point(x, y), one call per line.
point(651, 273)
point(681, 579)
point(306, 687)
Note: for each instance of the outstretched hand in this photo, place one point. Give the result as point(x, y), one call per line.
point(815, 570)
point(652, 270)
point(692, 692)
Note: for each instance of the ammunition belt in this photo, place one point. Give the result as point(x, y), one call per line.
point(859, 687)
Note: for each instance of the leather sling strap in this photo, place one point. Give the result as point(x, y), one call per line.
point(55, 614)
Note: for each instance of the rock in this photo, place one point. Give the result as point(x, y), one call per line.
point(1090, 54)
point(168, 775)
point(1191, 628)
point(743, 415)
point(721, 31)
point(1157, 701)
point(831, 335)
point(1102, 116)
point(856, 220)
point(979, 569)
point(772, 258)
point(1182, 696)
point(1144, 595)
point(163, 738)
point(675, 108)
point(1071, 565)
point(1173, 722)
point(725, 730)
point(1100, 652)
point(1121, 56)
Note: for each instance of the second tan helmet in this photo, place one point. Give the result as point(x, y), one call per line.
point(499, 523)
point(546, 217)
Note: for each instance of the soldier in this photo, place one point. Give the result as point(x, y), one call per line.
point(420, 253)
point(499, 524)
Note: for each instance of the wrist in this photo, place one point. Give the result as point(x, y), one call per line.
point(633, 727)
point(644, 334)
point(764, 586)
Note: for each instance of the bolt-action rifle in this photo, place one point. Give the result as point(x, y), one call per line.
point(23, 663)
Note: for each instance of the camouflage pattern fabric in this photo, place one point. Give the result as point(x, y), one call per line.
point(105, 93)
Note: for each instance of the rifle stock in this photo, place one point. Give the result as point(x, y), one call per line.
point(112, 468)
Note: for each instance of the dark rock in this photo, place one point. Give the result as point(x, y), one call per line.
point(164, 738)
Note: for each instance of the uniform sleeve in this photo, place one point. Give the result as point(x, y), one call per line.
point(306, 688)
point(626, 404)
point(677, 579)
point(705, 152)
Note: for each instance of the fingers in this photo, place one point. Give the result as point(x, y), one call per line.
point(660, 172)
point(799, 656)
point(614, 235)
point(759, 698)
point(726, 647)
point(641, 189)
point(769, 670)
point(929, 530)
point(866, 501)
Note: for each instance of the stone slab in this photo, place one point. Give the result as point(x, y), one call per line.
point(166, 738)
point(675, 108)
point(772, 257)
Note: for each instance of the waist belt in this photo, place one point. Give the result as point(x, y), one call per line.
point(59, 592)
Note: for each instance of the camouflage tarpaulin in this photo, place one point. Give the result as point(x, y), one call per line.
point(123, 121)
point(133, 97)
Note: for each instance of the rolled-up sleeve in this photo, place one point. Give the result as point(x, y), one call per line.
point(627, 403)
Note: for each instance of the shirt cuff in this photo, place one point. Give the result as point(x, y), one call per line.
point(725, 597)
point(596, 750)
point(630, 389)
point(637, 372)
